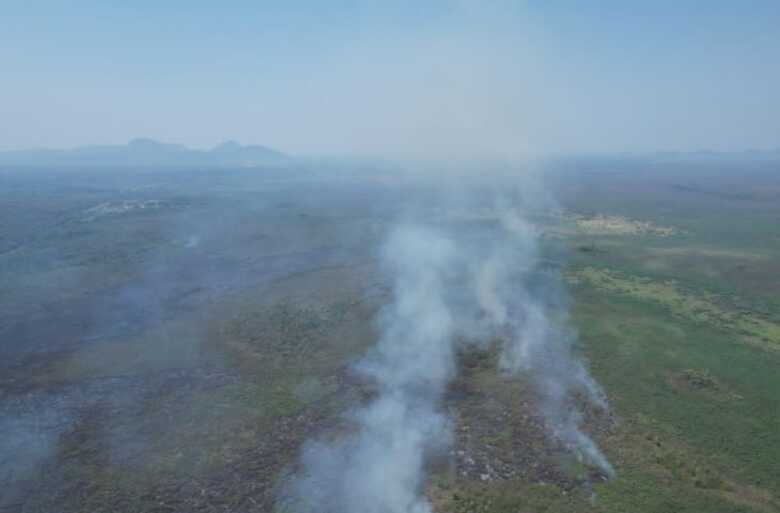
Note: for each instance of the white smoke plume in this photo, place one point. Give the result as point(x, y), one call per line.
point(535, 344)
point(379, 468)
point(472, 286)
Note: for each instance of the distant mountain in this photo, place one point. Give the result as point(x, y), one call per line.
point(148, 152)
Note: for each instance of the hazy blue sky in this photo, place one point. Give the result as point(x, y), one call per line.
point(398, 78)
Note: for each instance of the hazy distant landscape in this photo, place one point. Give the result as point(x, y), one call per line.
point(146, 152)
point(390, 257)
point(172, 337)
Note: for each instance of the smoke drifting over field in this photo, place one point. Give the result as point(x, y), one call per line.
point(379, 468)
point(451, 287)
point(534, 343)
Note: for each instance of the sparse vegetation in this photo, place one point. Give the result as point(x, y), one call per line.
point(601, 224)
point(703, 307)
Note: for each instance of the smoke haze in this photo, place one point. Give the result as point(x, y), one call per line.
point(339, 272)
point(537, 344)
point(379, 468)
point(454, 287)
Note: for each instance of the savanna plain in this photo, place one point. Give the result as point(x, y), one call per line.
point(169, 338)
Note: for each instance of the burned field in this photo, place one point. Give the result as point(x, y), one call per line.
point(161, 358)
point(171, 340)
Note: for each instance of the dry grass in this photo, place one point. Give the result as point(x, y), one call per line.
point(615, 225)
point(702, 307)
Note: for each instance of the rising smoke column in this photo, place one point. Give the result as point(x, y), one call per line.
point(525, 306)
point(472, 290)
point(379, 467)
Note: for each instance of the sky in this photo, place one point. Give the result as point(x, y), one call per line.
point(436, 79)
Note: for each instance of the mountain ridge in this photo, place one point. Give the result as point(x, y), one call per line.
point(147, 152)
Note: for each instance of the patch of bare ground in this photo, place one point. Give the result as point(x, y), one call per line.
point(601, 224)
point(701, 381)
point(500, 436)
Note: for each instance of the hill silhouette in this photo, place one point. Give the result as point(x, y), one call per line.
point(147, 152)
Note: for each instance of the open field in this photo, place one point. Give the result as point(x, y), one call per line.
point(169, 340)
